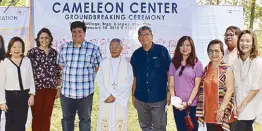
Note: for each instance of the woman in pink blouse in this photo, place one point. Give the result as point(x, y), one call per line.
point(46, 72)
point(185, 74)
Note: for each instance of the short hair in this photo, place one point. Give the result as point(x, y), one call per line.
point(234, 29)
point(144, 28)
point(214, 42)
point(254, 50)
point(11, 43)
point(2, 48)
point(44, 30)
point(78, 24)
point(116, 40)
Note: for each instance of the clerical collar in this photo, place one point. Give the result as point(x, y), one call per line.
point(115, 58)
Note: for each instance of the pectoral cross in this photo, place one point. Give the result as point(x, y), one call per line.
point(114, 85)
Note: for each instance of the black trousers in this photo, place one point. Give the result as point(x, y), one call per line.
point(245, 125)
point(214, 127)
point(16, 115)
point(233, 126)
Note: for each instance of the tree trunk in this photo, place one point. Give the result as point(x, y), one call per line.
point(252, 15)
point(218, 2)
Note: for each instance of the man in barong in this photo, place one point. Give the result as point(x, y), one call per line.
point(115, 79)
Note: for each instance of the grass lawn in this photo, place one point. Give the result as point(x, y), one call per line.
point(132, 120)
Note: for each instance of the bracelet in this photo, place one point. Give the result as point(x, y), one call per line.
point(244, 104)
point(222, 108)
point(189, 103)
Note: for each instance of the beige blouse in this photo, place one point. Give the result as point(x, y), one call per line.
point(248, 76)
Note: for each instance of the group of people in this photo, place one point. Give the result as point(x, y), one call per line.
point(224, 94)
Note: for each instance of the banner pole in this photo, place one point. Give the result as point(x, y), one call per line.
point(31, 35)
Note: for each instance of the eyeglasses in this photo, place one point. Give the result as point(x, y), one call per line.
point(229, 35)
point(214, 51)
point(144, 35)
point(181, 71)
point(115, 47)
point(78, 31)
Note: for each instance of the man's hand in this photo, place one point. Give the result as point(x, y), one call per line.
point(168, 98)
point(134, 101)
point(110, 99)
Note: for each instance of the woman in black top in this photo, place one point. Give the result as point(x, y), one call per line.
point(2, 48)
point(2, 53)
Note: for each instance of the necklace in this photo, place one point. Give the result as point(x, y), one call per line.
point(213, 73)
point(114, 76)
point(214, 69)
point(241, 77)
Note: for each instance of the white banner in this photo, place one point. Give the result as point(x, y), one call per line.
point(211, 22)
point(14, 21)
point(169, 20)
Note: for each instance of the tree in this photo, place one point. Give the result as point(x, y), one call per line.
point(252, 14)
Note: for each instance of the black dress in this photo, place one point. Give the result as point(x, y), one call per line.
point(2, 53)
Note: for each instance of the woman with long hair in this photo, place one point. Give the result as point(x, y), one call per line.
point(185, 74)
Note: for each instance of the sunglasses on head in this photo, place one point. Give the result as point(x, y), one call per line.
point(181, 71)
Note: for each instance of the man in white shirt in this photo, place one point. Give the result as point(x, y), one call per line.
point(115, 79)
point(231, 37)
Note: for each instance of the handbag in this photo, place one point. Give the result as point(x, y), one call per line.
point(188, 121)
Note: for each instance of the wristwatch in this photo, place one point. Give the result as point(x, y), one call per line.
point(189, 103)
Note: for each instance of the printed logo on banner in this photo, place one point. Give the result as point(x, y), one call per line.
point(14, 21)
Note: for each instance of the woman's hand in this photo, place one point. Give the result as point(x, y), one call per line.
point(235, 111)
point(240, 109)
point(220, 115)
point(31, 100)
point(183, 106)
point(3, 107)
point(57, 93)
